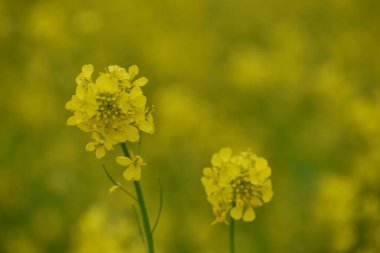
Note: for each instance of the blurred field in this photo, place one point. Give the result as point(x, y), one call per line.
point(298, 81)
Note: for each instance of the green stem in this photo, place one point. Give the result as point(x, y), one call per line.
point(145, 218)
point(232, 236)
point(144, 213)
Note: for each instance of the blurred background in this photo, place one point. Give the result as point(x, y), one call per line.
point(298, 81)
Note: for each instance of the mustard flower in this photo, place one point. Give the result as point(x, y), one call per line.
point(111, 107)
point(133, 164)
point(236, 184)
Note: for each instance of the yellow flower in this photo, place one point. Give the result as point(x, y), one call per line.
point(133, 164)
point(119, 73)
point(84, 78)
point(113, 106)
point(133, 72)
point(236, 184)
point(100, 145)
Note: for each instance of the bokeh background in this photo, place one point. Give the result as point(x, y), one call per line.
point(298, 81)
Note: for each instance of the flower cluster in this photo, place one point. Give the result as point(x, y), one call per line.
point(112, 108)
point(236, 184)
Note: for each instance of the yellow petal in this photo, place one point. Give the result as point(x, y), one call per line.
point(255, 201)
point(71, 105)
point(132, 134)
point(267, 195)
point(138, 174)
point(140, 82)
point(100, 152)
point(90, 146)
point(132, 173)
point(249, 214)
point(80, 91)
point(216, 160)
point(119, 72)
point(261, 163)
point(224, 177)
point(237, 212)
point(90, 109)
point(107, 84)
point(87, 71)
point(266, 173)
point(209, 186)
point(124, 104)
point(139, 101)
point(245, 163)
point(146, 126)
point(124, 161)
point(133, 71)
point(72, 121)
point(79, 79)
point(136, 91)
point(108, 143)
point(225, 154)
point(96, 137)
point(113, 188)
point(207, 172)
point(149, 120)
point(233, 171)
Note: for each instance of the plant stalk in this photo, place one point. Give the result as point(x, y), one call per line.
point(143, 211)
point(232, 236)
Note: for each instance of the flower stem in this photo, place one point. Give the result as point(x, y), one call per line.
point(144, 213)
point(232, 236)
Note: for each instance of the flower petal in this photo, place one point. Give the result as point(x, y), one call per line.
point(136, 91)
point(140, 82)
point(113, 188)
point(107, 84)
point(225, 154)
point(139, 101)
point(87, 71)
point(90, 146)
point(146, 126)
point(207, 172)
point(133, 71)
point(237, 212)
point(216, 160)
point(267, 195)
point(123, 160)
point(132, 134)
point(118, 72)
point(261, 163)
point(249, 214)
point(73, 120)
point(132, 173)
point(100, 152)
point(266, 173)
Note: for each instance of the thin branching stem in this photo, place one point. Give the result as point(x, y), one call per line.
point(118, 184)
point(160, 206)
point(138, 221)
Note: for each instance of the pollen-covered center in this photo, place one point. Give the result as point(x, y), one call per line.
point(243, 189)
point(107, 107)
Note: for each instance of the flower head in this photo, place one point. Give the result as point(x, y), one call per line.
point(111, 107)
point(236, 184)
point(133, 164)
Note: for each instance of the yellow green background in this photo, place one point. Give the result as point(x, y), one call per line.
point(297, 81)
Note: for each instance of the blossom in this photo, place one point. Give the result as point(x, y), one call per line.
point(133, 164)
point(112, 107)
point(236, 184)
